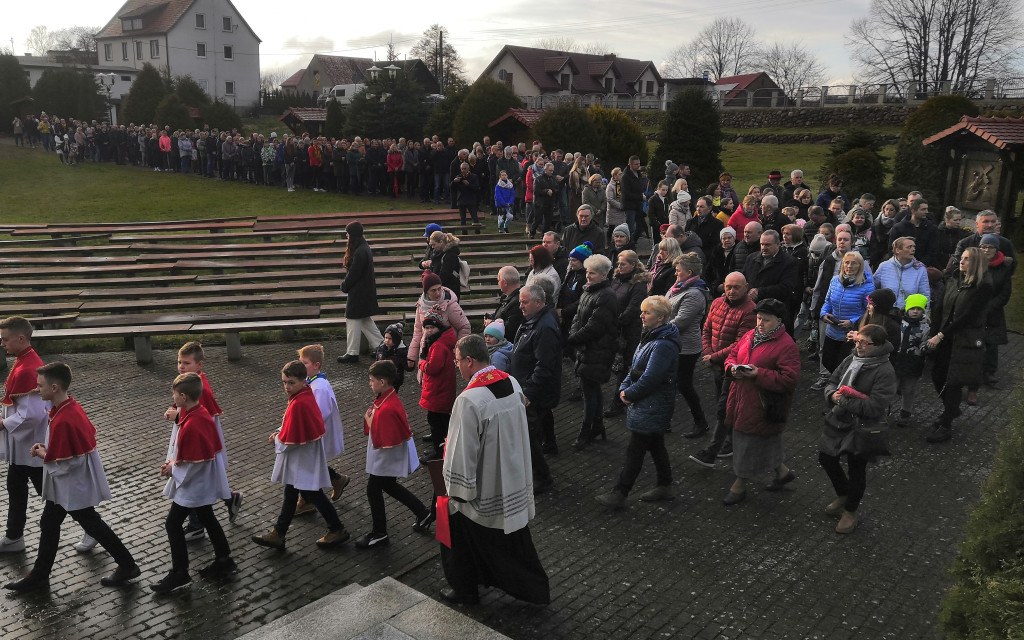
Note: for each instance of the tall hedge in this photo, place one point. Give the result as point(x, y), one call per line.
point(13, 86)
point(172, 111)
point(924, 168)
point(986, 601)
point(335, 124)
point(146, 93)
point(69, 93)
point(691, 134)
point(618, 137)
point(567, 126)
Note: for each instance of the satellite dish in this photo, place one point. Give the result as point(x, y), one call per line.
point(502, 74)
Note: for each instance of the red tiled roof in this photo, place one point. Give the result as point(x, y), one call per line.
point(305, 115)
point(741, 81)
point(528, 117)
point(158, 16)
point(294, 79)
point(340, 69)
point(587, 67)
point(1004, 133)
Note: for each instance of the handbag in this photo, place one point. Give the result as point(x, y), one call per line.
point(775, 406)
point(871, 441)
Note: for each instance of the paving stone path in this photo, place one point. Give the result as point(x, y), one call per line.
point(771, 567)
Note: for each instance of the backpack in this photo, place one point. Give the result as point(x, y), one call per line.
point(464, 274)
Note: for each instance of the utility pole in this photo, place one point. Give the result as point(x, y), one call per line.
point(440, 59)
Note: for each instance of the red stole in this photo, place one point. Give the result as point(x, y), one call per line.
point(207, 398)
point(198, 440)
point(302, 420)
point(21, 381)
point(487, 378)
point(386, 422)
point(71, 433)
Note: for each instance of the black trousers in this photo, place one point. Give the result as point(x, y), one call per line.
point(438, 423)
point(593, 402)
point(851, 486)
point(376, 487)
point(636, 450)
point(535, 420)
point(951, 395)
point(92, 524)
point(315, 498)
point(18, 477)
point(481, 555)
point(723, 432)
point(833, 352)
point(473, 210)
point(684, 382)
point(176, 536)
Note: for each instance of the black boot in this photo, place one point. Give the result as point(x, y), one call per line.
point(941, 432)
point(585, 437)
point(700, 427)
point(598, 430)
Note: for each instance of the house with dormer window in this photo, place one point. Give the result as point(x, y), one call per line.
point(206, 39)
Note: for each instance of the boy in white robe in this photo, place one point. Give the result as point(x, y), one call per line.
point(312, 357)
point(73, 483)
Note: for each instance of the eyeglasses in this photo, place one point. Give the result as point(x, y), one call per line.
point(458, 360)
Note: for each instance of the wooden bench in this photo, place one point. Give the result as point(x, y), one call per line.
point(22, 283)
point(205, 316)
point(57, 231)
point(140, 335)
point(55, 270)
point(264, 236)
point(8, 245)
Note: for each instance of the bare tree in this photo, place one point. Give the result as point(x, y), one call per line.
point(39, 40)
point(271, 79)
point(726, 47)
point(81, 38)
point(792, 65)
point(928, 41)
point(569, 44)
point(437, 52)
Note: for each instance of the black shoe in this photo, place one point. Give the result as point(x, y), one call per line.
point(543, 486)
point(777, 483)
point(617, 409)
point(699, 429)
point(725, 451)
point(584, 438)
point(28, 583)
point(348, 359)
point(219, 568)
point(424, 522)
point(576, 395)
point(940, 433)
point(454, 597)
point(373, 540)
point(234, 504)
point(172, 582)
point(732, 498)
point(121, 576)
point(904, 419)
point(705, 458)
point(549, 448)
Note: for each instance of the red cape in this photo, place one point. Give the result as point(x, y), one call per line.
point(22, 378)
point(488, 378)
point(207, 398)
point(387, 423)
point(302, 421)
point(198, 440)
point(71, 433)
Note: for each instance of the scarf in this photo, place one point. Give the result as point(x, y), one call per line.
point(847, 280)
point(678, 287)
point(760, 338)
point(506, 184)
point(858, 363)
point(998, 260)
point(491, 348)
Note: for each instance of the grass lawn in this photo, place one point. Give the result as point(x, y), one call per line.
point(1015, 308)
point(825, 131)
point(750, 163)
point(264, 125)
point(37, 188)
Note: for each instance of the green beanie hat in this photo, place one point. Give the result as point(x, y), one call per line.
point(916, 301)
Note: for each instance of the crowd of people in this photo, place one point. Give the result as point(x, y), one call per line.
point(731, 284)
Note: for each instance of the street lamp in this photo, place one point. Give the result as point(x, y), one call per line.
point(392, 71)
point(374, 71)
point(106, 81)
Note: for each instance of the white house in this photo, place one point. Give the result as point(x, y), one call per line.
point(206, 39)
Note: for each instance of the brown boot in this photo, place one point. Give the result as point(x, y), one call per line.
point(847, 523)
point(836, 507)
point(302, 507)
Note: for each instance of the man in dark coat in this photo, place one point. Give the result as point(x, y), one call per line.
point(985, 223)
point(632, 195)
point(361, 287)
point(657, 211)
point(536, 364)
point(465, 189)
point(578, 233)
point(704, 224)
point(772, 273)
point(923, 231)
point(508, 310)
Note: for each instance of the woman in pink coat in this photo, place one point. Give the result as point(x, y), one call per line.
point(765, 368)
point(436, 296)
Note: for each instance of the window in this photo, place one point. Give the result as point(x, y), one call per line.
point(227, 23)
point(138, 50)
point(108, 51)
point(229, 88)
point(229, 53)
point(650, 88)
point(200, 49)
point(124, 50)
point(609, 84)
point(154, 48)
point(200, 21)
point(564, 81)
point(131, 24)
point(202, 84)
point(508, 78)
point(126, 78)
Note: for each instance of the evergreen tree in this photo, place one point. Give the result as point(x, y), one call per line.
point(920, 167)
point(146, 93)
point(222, 116)
point(174, 113)
point(692, 134)
point(13, 86)
point(69, 93)
point(567, 126)
point(335, 123)
point(442, 121)
point(618, 137)
point(190, 93)
point(387, 107)
point(486, 100)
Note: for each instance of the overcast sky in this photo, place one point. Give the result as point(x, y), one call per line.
point(292, 32)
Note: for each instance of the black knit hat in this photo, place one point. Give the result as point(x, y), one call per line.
point(883, 299)
point(773, 307)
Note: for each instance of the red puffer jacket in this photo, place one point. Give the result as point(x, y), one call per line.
point(725, 325)
point(438, 369)
point(778, 364)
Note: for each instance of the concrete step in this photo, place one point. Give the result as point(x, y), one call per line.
point(386, 609)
